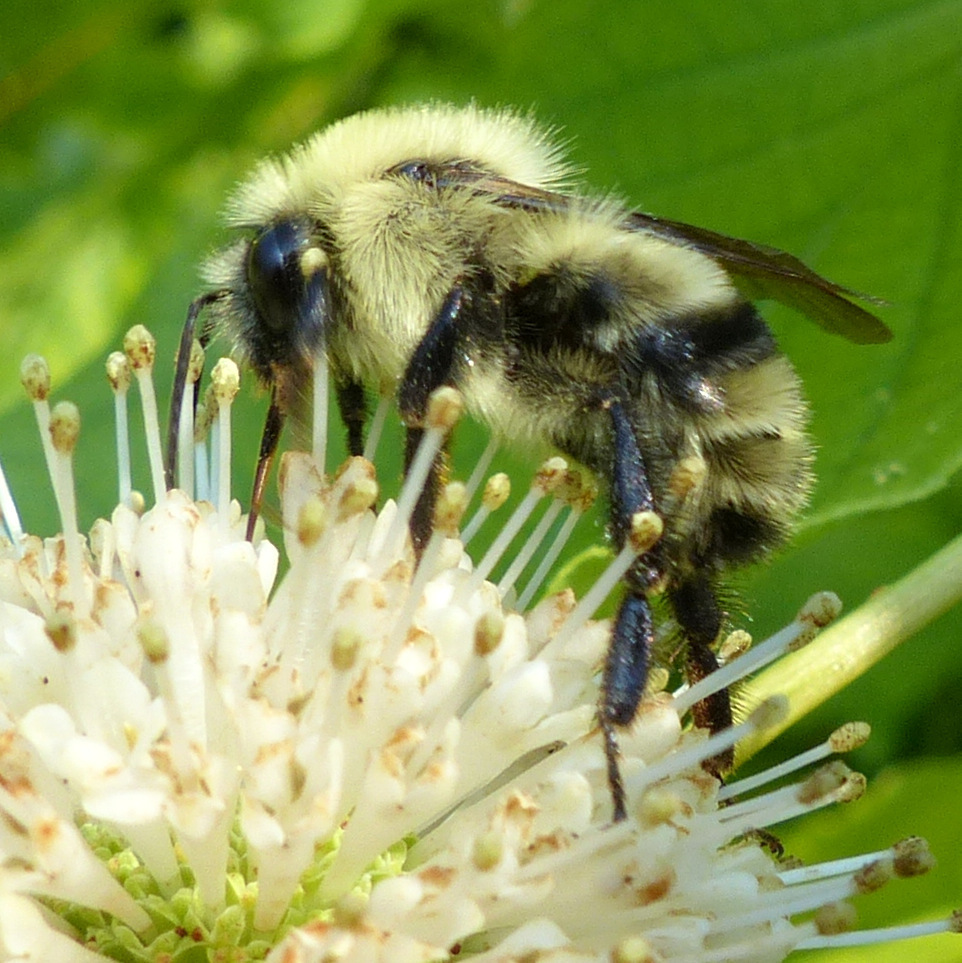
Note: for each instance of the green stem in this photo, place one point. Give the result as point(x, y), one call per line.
point(855, 643)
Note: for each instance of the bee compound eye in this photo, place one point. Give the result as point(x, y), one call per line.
point(274, 274)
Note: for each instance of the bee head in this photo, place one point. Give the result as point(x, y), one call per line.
point(287, 281)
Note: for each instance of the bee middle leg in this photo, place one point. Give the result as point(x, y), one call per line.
point(629, 653)
point(353, 407)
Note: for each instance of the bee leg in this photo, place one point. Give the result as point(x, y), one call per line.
point(422, 517)
point(623, 682)
point(632, 639)
point(353, 405)
point(265, 458)
point(430, 367)
point(700, 617)
point(180, 378)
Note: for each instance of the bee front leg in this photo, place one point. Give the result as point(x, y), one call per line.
point(273, 426)
point(431, 366)
point(180, 378)
point(632, 639)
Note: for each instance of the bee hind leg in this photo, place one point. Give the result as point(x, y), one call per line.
point(623, 682)
point(700, 617)
point(632, 639)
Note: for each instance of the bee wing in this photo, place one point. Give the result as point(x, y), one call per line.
point(762, 272)
point(759, 271)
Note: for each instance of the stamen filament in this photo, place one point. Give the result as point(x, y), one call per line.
point(800, 761)
point(118, 374)
point(579, 493)
point(140, 348)
point(496, 492)
point(215, 449)
point(546, 480)
point(185, 421)
point(319, 424)
point(202, 472)
point(482, 466)
point(549, 558)
point(531, 545)
point(592, 599)
point(185, 442)
point(9, 515)
point(444, 409)
point(754, 659)
point(694, 755)
point(225, 380)
point(64, 428)
point(500, 545)
point(377, 426)
point(790, 801)
point(886, 934)
point(834, 868)
point(428, 448)
point(785, 903)
point(35, 378)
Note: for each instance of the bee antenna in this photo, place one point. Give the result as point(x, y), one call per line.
point(180, 377)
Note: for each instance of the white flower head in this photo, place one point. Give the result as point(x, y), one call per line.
point(369, 759)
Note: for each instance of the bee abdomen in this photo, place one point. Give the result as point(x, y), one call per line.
point(758, 457)
point(688, 355)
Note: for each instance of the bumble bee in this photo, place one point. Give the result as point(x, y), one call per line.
point(436, 245)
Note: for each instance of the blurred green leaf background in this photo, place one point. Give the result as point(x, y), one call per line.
point(830, 130)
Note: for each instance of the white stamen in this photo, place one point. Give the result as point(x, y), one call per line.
point(202, 471)
point(531, 545)
point(9, 515)
point(792, 637)
point(211, 428)
point(225, 381)
point(580, 497)
point(118, 374)
point(888, 934)
point(64, 428)
point(549, 476)
point(832, 783)
point(496, 492)
point(645, 532)
point(694, 755)
point(481, 467)
point(319, 424)
point(185, 421)
point(444, 408)
point(834, 868)
point(140, 348)
point(377, 426)
point(35, 378)
point(858, 730)
point(548, 559)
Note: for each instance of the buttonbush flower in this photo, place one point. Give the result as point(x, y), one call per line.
point(367, 759)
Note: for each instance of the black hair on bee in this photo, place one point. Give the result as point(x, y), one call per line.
point(436, 245)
